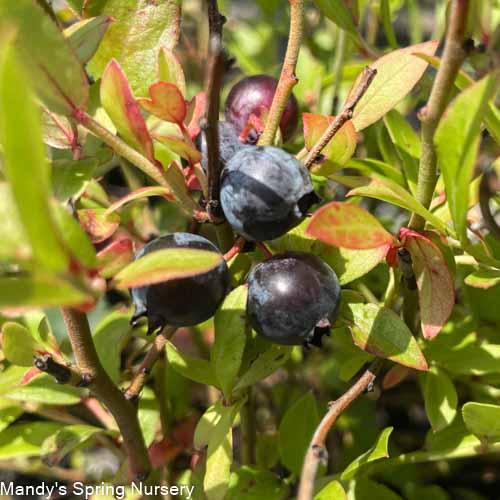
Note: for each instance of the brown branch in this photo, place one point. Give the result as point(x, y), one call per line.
point(454, 55)
point(288, 79)
point(210, 121)
point(489, 186)
point(62, 373)
point(366, 79)
point(103, 387)
point(316, 451)
point(139, 379)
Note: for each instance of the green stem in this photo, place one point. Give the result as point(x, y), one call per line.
point(453, 57)
point(248, 431)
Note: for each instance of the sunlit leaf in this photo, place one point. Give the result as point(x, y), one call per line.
point(332, 491)
point(482, 420)
point(181, 147)
point(170, 69)
point(18, 346)
point(165, 102)
point(97, 223)
point(483, 278)
point(440, 397)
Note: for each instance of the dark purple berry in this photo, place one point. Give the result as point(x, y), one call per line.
point(253, 96)
point(183, 301)
point(293, 298)
point(265, 192)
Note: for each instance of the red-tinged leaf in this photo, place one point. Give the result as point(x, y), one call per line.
point(57, 131)
point(170, 69)
point(348, 226)
point(395, 376)
point(138, 194)
point(30, 375)
point(397, 74)
point(436, 292)
point(392, 255)
point(165, 265)
point(338, 151)
point(483, 278)
point(163, 452)
point(181, 147)
point(166, 102)
point(121, 106)
point(175, 177)
point(195, 110)
point(113, 258)
point(98, 225)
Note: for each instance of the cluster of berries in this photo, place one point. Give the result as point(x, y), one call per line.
point(293, 297)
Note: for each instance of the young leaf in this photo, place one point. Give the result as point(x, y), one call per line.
point(180, 147)
point(55, 71)
point(97, 223)
point(206, 425)
point(135, 37)
point(376, 452)
point(114, 257)
point(397, 74)
point(332, 491)
point(440, 397)
point(118, 101)
point(295, 432)
point(482, 420)
point(25, 165)
point(165, 102)
point(18, 346)
point(167, 264)
point(170, 69)
point(138, 194)
point(338, 151)
point(436, 292)
point(337, 12)
point(348, 226)
point(380, 331)
point(457, 142)
point(196, 369)
point(230, 339)
point(483, 278)
point(85, 36)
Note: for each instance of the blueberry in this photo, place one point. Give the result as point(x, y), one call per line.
point(183, 301)
point(265, 192)
point(293, 298)
point(229, 144)
point(254, 95)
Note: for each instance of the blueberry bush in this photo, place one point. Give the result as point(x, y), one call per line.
point(251, 248)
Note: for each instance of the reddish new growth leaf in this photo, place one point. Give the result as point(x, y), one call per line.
point(348, 226)
point(166, 103)
point(121, 106)
point(436, 292)
point(30, 374)
point(98, 225)
point(395, 376)
point(183, 148)
point(114, 257)
point(195, 110)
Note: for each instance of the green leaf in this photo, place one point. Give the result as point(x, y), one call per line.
point(337, 12)
point(25, 164)
point(8, 415)
point(54, 70)
point(97, 223)
point(440, 398)
point(119, 103)
point(114, 257)
point(195, 369)
point(168, 264)
point(265, 364)
point(23, 292)
point(483, 278)
point(295, 432)
point(109, 336)
point(65, 440)
point(170, 69)
point(387, 190)
point(139, 30)
point(138, 194)
point(69, 177)
point(367, 166)
point(220, 454)
point(482, 420)
point(85, 36)
point(18, 346)
point(26, 440)
point(436, 291)
point(249, 483)
point(366, 489)
point(348, 226)
point(385, 14)
point(380, 331)
point(376, 452)
point(397, 73)
point(148, 414)
point(230, 338)
point(206, 425)
point(457, 141)
point(332, 491)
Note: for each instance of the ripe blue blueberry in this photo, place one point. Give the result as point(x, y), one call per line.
point(183, 301)
point(265, 192)
point(293, 298)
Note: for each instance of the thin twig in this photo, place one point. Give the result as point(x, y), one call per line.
point(209, 123)
point(454, 55)
point(139, 379)
point(103, 387)
point(288, 79)
point(316, 451)
point(235, 249)
point(63, 374)
point(366, 79)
